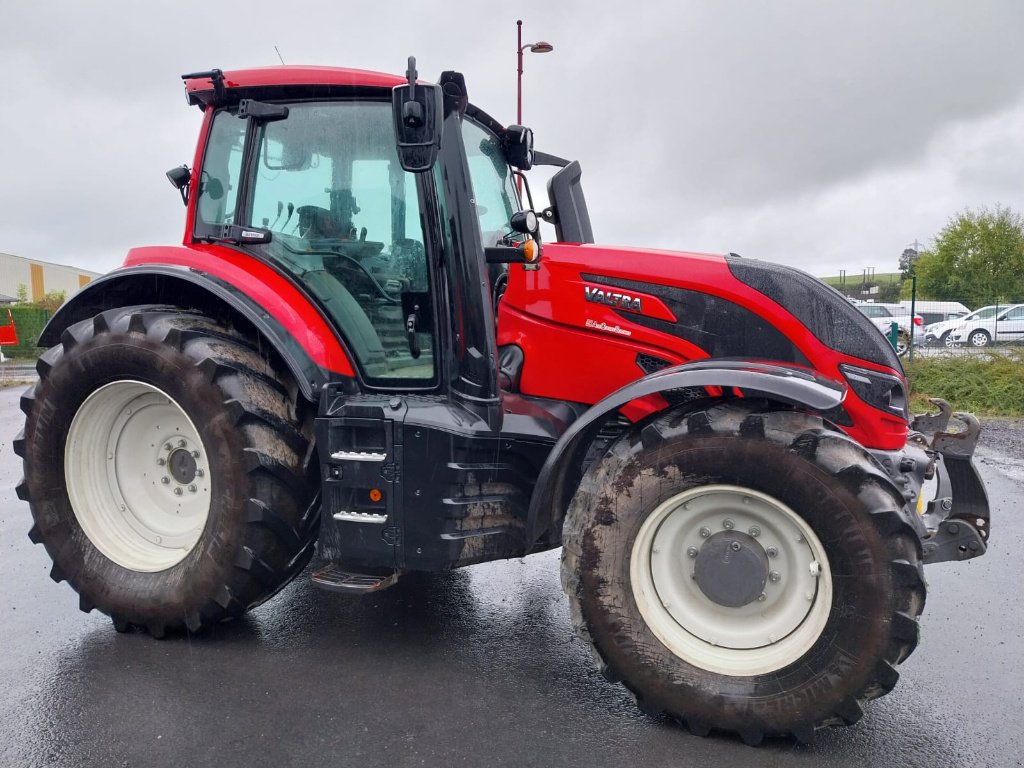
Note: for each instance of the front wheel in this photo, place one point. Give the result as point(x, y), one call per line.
point(979, 338)
point(166, 469)
point(744, 569)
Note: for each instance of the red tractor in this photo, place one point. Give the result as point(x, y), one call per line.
point(363, 353)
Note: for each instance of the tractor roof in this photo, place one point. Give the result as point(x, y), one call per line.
point(200, 87)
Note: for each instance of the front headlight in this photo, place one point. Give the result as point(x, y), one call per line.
point(881, 390)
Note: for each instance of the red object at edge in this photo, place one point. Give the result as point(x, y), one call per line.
point(8, 334)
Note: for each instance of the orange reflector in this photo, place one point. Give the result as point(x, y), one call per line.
point(530, 251)
point(376, 495)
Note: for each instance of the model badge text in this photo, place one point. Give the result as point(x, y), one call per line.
point(620, 300)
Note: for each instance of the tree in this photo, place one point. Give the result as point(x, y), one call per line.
point(908, 259)
point(978, 258)
point(51, 301)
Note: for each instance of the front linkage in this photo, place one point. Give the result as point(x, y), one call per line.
point(957, 519)
point(954, 525)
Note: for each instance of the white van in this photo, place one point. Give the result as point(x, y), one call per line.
point(936, 312)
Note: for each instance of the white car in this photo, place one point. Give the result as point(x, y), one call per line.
point(941, 332)
point(882, 316)
point(1007, 325)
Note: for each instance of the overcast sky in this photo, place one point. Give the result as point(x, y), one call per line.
point(824, 135)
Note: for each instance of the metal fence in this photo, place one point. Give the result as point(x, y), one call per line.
point(919, 326)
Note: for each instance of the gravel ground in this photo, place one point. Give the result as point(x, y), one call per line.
point(1003, 435)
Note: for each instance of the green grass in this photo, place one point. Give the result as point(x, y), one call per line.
point(987, 385)
point(856, 278)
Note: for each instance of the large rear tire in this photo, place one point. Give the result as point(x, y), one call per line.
point(167, 469)
point(744, 569)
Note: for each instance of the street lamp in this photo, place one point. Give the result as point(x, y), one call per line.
point(538, 47)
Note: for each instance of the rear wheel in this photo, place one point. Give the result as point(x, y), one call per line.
point(744, 569)
point(166, 469)
point(902, 343)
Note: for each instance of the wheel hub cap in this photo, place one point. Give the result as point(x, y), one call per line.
point(182, 466)
point(731, 569)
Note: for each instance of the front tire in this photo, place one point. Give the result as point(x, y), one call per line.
point(166, 466)
point(744, 569)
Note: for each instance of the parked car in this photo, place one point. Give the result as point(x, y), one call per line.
point(1007, 325)
point(940, 331)
point(882, 316)
point(932, 314)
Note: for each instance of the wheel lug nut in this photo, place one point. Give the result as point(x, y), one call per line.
point(192, 489)
point(161, 461)
point(704, 533)
point(195, 454)
point(177, 491)
point(774, 576)
point(754, 531)
point(167, 446)
point(772, 551)
point(692, 551)
point(762, 597)
point(199, 473)
point(181, 443)
point(735, 546)
point(165, 480)
point(728, 524)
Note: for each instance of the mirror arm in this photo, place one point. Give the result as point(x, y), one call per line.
point(543, 158)
point(526, 185)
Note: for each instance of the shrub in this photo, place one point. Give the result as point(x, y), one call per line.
point(989, 384)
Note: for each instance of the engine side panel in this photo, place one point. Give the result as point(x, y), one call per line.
point(580, 348)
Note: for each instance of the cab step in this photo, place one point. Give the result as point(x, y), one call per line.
point(333, 578)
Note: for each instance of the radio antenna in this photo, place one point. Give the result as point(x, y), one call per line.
point(278, 54)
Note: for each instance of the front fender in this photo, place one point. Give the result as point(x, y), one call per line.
point(311, 351)
point(784, 383)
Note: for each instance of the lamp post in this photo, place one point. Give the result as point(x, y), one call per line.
point(539, 47)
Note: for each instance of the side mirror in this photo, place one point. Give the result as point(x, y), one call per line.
point(418, 114)
point(518, 144)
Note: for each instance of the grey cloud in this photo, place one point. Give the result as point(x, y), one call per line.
point(701, 125)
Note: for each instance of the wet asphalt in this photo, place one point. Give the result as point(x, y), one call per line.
point(477, 667)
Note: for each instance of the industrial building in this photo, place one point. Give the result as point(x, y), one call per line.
point(40, 277)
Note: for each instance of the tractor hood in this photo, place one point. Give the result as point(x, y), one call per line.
point(708, 306)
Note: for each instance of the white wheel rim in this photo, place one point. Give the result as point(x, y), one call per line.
point(767, 634)
point(137, 476)
point(979, 339)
